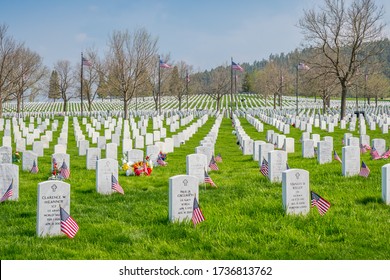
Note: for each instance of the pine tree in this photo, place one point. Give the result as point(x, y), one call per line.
point(54, 87)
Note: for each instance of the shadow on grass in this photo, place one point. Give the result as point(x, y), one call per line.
point(370, 199)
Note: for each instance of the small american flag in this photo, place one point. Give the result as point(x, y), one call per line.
point(213, 164)
point(218, 158)
point(86, 62)
point(65, 172)
point(264, 168)
point(161, 162)
point(235, 66)
point(363, 149)
point(374, 154)
point(321, 204)
point(336, 156)
point(368, 147)
point(34, 168)
point(8, 193)
point(68, 225)
point(386, 154)
point(164, 65)
point(115, 185)
point(208, 180)
point(364, 170)
point(197, 215)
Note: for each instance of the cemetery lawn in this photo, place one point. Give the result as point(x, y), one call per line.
point(245, 219)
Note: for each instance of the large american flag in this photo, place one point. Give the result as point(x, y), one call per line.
point(115, 185)
point(8, 193)
point(213, 164)
point(197, 215)
point(364, 170)
point(235, 66)
point(34, 168)
point(321, 204)
point(208, 180)
point(164, 65)
point(86, 62)
point(336, 156)
point(65, 172)
point(68, 225)
point(264, 168)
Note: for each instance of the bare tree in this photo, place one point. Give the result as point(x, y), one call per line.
point(346, 37)
point(28, 70)
point(218, 84)
point(8, 49)
point(66, 81)
point(91, 68)
point(130, 57)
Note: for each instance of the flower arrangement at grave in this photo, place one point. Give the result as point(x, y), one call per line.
point(139, 168)
point(55, 171)
point(16, 157)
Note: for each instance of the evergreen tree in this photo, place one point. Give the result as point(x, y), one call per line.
point(54, 86)
point(247, 85)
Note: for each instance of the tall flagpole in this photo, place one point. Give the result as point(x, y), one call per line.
point(231, 88)
point(296, 88)
point(81, 84)
point(187, 81)
point(159, 87)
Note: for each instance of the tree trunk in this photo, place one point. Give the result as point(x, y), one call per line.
point(179, 103)
point(274, 100)
point(1, 106)
point(125, 109)
point(64, 106)
point(323, 105)
point(89, 105)
point(18, 104)
point(368, 100)
point(218, 101)
point(344, 91)
point(376, 101)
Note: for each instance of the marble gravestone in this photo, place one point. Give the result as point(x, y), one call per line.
point(9, 173)
point(51, 195)
point(182, 191)
point(5, 154)
point(350, 161)
point(386, 183)
point(28, 158)
point(277, 163)
point(93, 154)
point(104, 169)
point(296, 191)
point(196, 164)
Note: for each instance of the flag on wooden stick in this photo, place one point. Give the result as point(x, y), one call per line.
point(68, 225)
point(197, 215)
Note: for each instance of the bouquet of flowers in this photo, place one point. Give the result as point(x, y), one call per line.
point(138, 168)
point(16, 157)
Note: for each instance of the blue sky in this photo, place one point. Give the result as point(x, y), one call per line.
point(203, 33)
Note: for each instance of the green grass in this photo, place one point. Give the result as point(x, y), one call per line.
point(244, 215)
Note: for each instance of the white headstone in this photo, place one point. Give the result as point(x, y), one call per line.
point(296, 191)
point(324, 152)
point(196, 164)
point(112, 151)
point(51, 195)
point(182, 191)
point(5, 154)
point(105, 168)
point(351, 161)
point(386, 183)
point(135, 155)
point(277, 163)
point(93, 154)
point(28, 159)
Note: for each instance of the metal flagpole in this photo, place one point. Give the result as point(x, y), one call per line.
point(231, 88)
point(159, 87)
point(81, 83)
